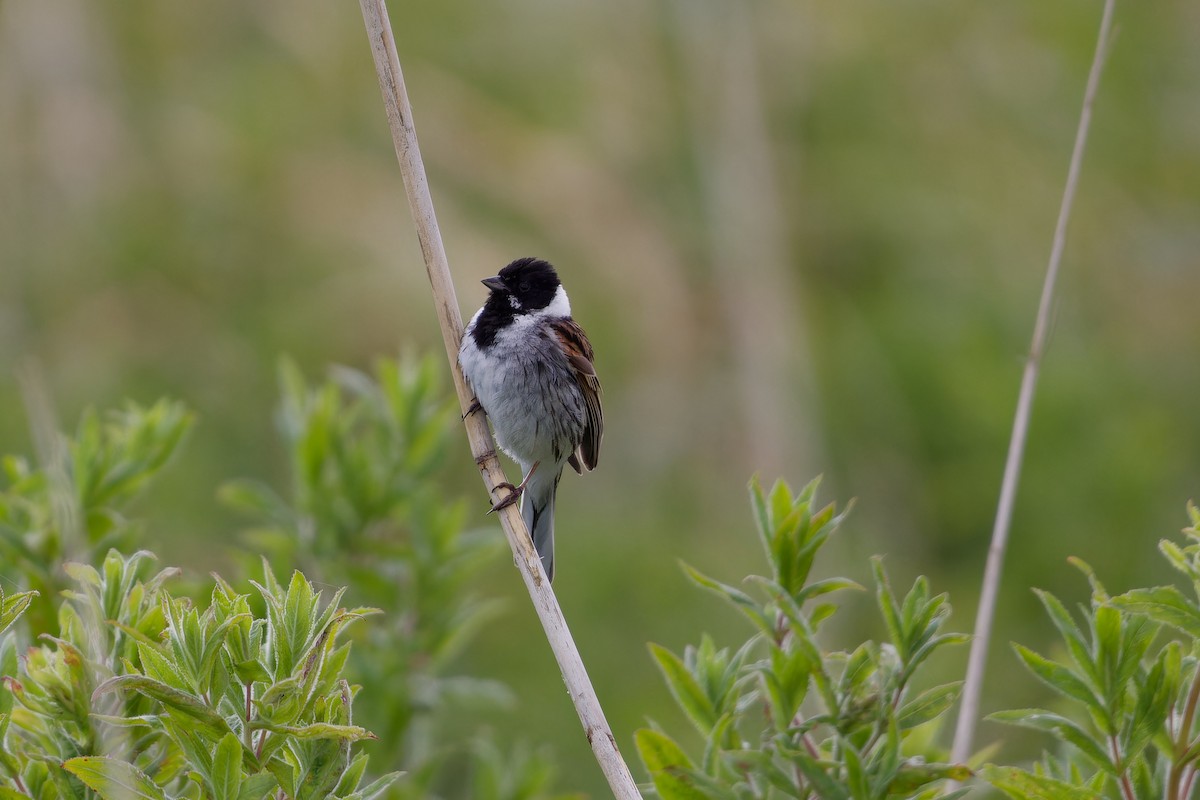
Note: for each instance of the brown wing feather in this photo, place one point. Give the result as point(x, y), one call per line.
point(578, 350)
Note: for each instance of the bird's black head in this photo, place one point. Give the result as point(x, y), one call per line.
point(530, 283)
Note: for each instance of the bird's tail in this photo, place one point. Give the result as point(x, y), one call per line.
point(537, 509)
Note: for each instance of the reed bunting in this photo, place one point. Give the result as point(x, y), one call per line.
point(530, 366)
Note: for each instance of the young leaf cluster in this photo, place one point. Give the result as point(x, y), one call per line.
point(782, 717)
point(142, 694)
point(1134, 732)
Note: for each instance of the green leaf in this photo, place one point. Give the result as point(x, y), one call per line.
point(1076, 642)
point(141, 721)
point(912, 776)
point(787, 676)
point(1058, 677)
point(257, 786)
point(860, 665)
point(377, 786)
point(174, 698)
point(856, 775)
point(1022, 785)
point(227, 768)
point(884, 763)
point(685, 689)
point(113, 779)
point(352, 776)
point(888, 607)
point(1155, 692)
point(826, 586)
point(668, 766)
point(12, 606)
point(1060, 727)
point(817, 774)
point(317, 730)
point(764, 769)
point(1164, 604)
point(285, 775)
point(324, 762)
point(159, 667)
point(1107, 623)
point(928, 705)
point(740, 600)
point(762, 519)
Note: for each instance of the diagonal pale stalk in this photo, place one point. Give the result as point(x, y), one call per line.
point(969, 709)
point(404, 136)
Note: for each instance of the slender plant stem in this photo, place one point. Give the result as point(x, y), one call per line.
point(1179, 768)
point(969, 710)
point(404, 136)
point(1126, 786)
point(1184, 733)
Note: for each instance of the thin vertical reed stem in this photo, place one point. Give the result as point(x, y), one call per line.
point(969, 710)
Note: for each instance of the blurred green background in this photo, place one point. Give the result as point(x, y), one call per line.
point(804, 238)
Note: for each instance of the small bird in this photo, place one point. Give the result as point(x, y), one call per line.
point(530, 366)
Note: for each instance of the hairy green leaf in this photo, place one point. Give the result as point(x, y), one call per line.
point(668, 766)
point(180, 701)
point(1164, 604)
point(113, 779)
point(928, 705)
point(1058, 677)
point(226, 776)
point(1061, 727)
point(685, 689)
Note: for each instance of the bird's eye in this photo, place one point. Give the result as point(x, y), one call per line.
point(524, 286)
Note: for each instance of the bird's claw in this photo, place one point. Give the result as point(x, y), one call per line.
point(513, 495)
point(471, 409)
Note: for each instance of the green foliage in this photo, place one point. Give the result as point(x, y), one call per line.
point(12, 607)
point(126, 689)
point(144, 695)
point(1134, 731)
point(73, 507)
point(364, 511)
point(780, 716)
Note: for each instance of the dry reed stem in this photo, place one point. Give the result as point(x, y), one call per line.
point(404, 136)
point(969, 709)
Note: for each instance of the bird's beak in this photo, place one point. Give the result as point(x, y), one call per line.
point(495, 284)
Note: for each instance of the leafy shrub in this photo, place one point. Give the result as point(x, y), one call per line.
point(779, 716)
point(1134, 731)
point(364, 510)
point(115, 685)
point(144, 695)
point(73, 508)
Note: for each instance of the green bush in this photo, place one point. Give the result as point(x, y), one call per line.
point(120, 680)
point(779, 716)
point(1130, 684)
point(365, 510)
point(143, 695)
point(116, 686)
point(74, 506)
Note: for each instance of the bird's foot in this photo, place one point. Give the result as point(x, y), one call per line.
point(514, 493)
point(471, 409)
